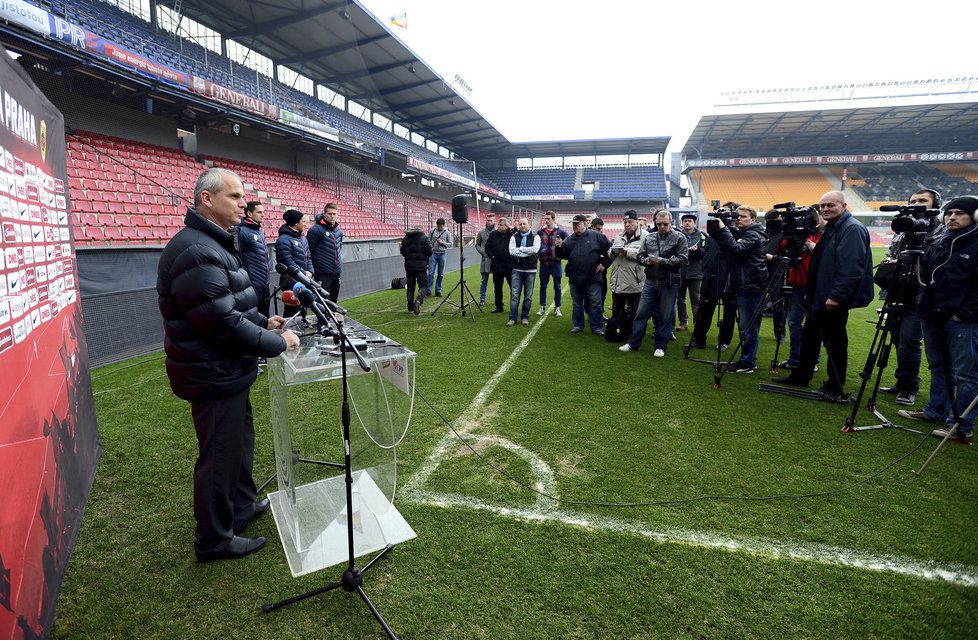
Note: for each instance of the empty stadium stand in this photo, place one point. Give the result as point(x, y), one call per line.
point(609, 183)
point(761, 188)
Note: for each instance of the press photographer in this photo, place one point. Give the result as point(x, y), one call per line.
point(949, 318)
point(748, 278)
point(916, 226)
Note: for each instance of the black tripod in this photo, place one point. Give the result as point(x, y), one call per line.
point(466, 299)
point(720, 308)
point(352, 578)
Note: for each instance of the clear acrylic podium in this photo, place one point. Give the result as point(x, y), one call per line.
point(310, 504)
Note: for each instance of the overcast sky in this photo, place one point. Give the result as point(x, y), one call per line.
point(552, 70)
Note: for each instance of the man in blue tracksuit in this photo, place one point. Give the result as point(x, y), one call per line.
point(292, 250)
point(326, 250)
point(253, 248)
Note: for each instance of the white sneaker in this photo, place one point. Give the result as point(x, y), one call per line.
point(659, 353)
point(558, 313)
point(542, 312)
point(625, 348)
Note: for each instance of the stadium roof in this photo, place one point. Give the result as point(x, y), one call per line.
point(895, 129)
point(341, 45)
point(614, 146)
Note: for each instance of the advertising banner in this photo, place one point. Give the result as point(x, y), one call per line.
point(938, 156)
point(49, 444)
point(215, 91)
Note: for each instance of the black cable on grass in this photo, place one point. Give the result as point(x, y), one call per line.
point(673, 501)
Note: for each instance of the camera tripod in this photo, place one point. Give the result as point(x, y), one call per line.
point(466, 299)
point(720, 305)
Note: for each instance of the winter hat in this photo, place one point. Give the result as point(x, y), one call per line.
point(968, 204)
point(292, 217)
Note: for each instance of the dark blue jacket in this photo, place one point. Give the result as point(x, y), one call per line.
point(583, 254)
point(715, 267)
point(952, 265)
point(292, 250)
point(325, 247)
point(213, 331)
point(254, 254)
point(747, 260)
point(842, 265)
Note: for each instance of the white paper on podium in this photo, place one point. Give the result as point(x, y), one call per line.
point(376, 522)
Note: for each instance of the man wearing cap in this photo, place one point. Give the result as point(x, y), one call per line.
point(840, 279)
point(524, 245)
point(326, 250)
point(949, 318)
point(214, 336)
point(440, 239)
point(292, 250)
point(692, 273)
point(663, 253)
point(586, 252)
point(550, 266)
point(485, 268)
point(627, 273)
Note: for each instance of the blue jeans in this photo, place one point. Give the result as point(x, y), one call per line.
point(555, 271)
point(907, 373)
point(658, 301)
point(952, 345)
point(483, 287)
point(522, 283)
point(797, 311)
point(747, 304)
point(591, 291)
point(436, 260)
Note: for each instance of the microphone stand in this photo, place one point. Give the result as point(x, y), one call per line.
point(352, 578)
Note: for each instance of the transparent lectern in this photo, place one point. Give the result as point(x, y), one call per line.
point(306, 395)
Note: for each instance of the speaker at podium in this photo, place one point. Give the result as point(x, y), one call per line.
point(310, 506)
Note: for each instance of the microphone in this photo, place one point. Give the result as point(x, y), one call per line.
point(308, 300)
point(288, 297)
point(298, 276)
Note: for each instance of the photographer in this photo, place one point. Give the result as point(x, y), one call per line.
point(841, 278)
point(748, 279)
point(713, 290)
point(664, 253)
point(907, 342)
point(949, 318)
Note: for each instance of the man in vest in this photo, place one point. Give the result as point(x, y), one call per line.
point(524, 246)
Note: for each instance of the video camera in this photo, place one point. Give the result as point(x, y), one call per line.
point(914, 218)
point(726, 214)
point(796, 222)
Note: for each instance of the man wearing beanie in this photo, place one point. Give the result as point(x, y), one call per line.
point(949, 318)
point(292, 250)
point(326, 250)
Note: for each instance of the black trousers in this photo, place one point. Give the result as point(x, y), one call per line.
point(497, 287)
point(624, 303)
point(828, 327)
point(223, 486)
point(419, 280)
point(704, 319)
point(264, 301)
point(330, 282)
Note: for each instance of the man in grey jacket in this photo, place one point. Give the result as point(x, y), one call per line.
point(692, 273)
point(485, 267)
point(440, 239)
point(627, 274)
point(663, 253)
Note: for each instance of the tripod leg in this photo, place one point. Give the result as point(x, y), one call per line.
point(373, 610)
point(302, 596)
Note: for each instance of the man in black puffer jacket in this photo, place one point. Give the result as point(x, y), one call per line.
point(501, 263)
point(748, 278)
point(416, 250)
point(214, 336)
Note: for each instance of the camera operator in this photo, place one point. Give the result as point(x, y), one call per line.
point(798, 307)
point(772, 229)
point(713, 290)
point(664, 253)
point(907, 342)
point(840, 279)
point(949, 318)
point(748, 278)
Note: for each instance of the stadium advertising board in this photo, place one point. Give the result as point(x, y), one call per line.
point(421, 165)
point(138, 63)
point(556, 196)
point(308, 125)
point(215, 91)
point(940, 156)
point(49, 445)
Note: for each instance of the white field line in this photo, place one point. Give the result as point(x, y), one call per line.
point(545, 510)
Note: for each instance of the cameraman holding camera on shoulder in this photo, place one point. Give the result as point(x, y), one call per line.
point(713, 289)
point(907, 342)
point(840, 278)
point(949, 318)
point(748, 278)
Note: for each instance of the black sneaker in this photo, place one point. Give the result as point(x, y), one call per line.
point(739, 367)
point(908, 398)
point(894, 389)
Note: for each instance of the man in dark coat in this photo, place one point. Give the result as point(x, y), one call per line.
point(254, 253)
point(840, 279)
point(325, 239)
point(497, 248)
point(713, 292)
point(748, 279)
point(416, 250)
point(213, 338)
point(588, 254)
point(292, 250)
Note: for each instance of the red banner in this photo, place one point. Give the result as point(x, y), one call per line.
point(130, 59)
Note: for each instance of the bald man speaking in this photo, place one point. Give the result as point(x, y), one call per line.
point(840, 277)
